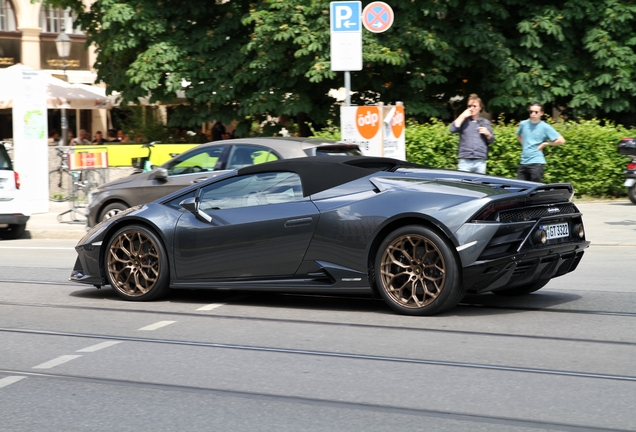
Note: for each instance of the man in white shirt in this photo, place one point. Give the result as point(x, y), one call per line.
point(82, 138)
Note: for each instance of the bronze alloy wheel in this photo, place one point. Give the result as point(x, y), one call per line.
point(136, 264)
point(413, 271)
point(416, 271)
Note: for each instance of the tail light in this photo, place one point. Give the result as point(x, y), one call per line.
point(17, 180)
point(631, 166)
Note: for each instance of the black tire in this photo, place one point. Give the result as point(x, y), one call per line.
point(136, 264)
point(522, 290)
point(12, 232)
point(111, 210)
point(59, 185)
point(631, 193)
point(416, 272)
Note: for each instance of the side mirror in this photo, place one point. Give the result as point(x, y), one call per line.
point(158, 173)
point(192, 205)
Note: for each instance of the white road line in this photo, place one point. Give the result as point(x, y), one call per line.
point(211, 306)
point(56, 362)
point(37, 247)
point(218, 305)
point(155, 326)
point(10, 380)
point(98, 346)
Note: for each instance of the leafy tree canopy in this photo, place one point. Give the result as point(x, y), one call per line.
point(241, 59)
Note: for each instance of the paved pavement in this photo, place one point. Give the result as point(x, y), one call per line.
point(607, 222)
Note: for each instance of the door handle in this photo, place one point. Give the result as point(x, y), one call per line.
point(298, 222)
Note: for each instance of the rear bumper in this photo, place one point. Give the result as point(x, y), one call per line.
point(14, 219)
point(523, 268)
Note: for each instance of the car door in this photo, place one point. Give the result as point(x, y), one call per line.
point(261, 227)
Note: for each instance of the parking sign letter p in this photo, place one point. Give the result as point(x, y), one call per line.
point(343, 13)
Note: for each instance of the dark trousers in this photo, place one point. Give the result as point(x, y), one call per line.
point(530, 172)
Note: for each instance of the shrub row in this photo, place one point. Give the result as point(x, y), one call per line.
point(588, 159)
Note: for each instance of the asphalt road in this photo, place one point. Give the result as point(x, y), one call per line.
point(75, 358)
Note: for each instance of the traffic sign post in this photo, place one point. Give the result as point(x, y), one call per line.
point(377, 17)
point(346, 36)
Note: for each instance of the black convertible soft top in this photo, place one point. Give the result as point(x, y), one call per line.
point(320, 173)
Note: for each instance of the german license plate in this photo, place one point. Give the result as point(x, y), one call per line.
point(557, 230)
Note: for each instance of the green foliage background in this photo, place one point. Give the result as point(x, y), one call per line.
point(589, 158)
point(244, 59)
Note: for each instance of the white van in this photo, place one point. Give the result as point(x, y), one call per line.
point(13, 212)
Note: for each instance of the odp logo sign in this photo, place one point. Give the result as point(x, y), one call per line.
point(397, 122)
point(368, 121)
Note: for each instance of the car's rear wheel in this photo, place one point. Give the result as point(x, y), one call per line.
point(111, 210)
point(416, 272)
point(136, 264)
point(12, 231)
point(522, 290)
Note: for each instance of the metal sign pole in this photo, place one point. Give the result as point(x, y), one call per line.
point(347, 88)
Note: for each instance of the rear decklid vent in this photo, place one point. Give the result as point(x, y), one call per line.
point(534, 213)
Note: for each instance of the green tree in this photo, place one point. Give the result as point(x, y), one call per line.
point(245, 59)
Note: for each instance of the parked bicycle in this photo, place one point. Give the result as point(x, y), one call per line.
point(66, 184)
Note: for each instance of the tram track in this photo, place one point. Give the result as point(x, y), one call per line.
point(321, 402)
point(325, 354)
point(321, 323)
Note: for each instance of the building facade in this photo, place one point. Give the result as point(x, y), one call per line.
point(27, 36)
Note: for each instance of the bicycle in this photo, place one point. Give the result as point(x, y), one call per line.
point(59, 179)
point(66, 184)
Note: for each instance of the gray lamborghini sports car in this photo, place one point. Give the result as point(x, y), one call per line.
point(420, 238)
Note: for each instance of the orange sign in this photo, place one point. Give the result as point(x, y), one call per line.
point(87, 160)
point(368, 121)
point(397, 122)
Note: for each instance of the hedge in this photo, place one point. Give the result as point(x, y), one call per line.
point(588, 159)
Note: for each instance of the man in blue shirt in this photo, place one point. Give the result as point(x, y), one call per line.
point(534, 135)
point(475, 135)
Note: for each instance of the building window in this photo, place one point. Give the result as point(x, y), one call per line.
point(7, 18)
point(53, 20)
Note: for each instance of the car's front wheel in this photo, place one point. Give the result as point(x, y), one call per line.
point(136, 264)
point(416, 272)
point(111, 210)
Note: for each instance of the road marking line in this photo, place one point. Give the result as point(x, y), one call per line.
point(10, 380)
point(37, 247)
point(218, 305)
point(56, 362)
point(98, 346)
point(155, 326)
point(211, 306)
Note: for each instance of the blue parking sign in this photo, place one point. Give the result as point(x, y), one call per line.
point(345, 16)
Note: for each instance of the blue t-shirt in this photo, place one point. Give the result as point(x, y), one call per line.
point(532, 135)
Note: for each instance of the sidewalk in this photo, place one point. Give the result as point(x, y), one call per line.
point(56, 225)
point(607, 223)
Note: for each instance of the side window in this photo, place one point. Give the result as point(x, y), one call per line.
point(246, 155)
point(252, 190)
point(194, 162)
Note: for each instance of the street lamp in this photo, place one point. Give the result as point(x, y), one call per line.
point(63, 45)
